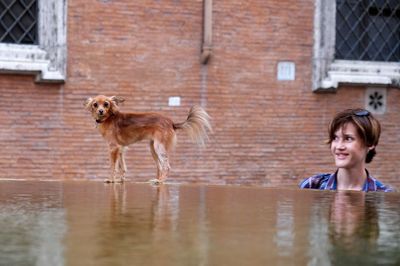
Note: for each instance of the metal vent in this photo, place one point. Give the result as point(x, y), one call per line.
point(368, 30)
point(18, 21)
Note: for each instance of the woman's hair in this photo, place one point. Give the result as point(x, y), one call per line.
point(368, 128)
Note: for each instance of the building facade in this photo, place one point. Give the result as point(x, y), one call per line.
point(265, 71)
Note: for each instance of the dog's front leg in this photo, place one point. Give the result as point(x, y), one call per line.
point(121, 164)
point(114, 158)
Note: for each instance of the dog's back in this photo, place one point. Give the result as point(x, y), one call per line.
point(133, 127)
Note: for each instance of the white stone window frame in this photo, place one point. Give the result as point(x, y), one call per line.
point(328, 72)
point(47, 60)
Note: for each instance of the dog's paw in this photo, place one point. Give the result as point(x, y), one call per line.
point(120, 180)
point(156, 181)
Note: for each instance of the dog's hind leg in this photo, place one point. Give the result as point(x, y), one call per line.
point(160, 156)
point(155, 157)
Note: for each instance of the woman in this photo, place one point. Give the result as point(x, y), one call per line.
point(353, 137)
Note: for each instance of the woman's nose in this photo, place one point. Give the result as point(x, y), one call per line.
point(340, 145)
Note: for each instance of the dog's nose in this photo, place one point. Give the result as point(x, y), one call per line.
point(101, 112)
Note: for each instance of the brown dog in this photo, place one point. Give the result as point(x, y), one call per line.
point(122, 129)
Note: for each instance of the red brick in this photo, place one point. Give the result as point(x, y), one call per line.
point(265, 131)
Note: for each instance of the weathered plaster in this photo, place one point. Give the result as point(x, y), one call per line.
point(47, 60)
point(328, 73)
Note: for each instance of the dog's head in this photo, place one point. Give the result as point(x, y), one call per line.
point(102, 107)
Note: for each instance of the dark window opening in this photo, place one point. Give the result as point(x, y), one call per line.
point(18, 21)
point(368, 30)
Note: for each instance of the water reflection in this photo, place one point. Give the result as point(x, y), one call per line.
point(120, 226)
point(32, 223)
point(90, 223)
point(284, 237)
point(355, 227)
point(352, 218)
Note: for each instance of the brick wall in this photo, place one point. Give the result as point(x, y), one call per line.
point(265, 131)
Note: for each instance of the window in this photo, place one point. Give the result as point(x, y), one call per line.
point(368, 30)
point(356, 42)
point(33, 38)
point(18, 21)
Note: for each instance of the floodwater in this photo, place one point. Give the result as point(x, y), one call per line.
point(91, 223)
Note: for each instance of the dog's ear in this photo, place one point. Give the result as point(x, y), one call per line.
point(117, 100)
point(88, 103)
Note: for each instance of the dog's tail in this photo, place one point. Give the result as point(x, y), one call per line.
point(197, 125)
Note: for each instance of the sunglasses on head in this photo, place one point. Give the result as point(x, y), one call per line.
point(362, 113)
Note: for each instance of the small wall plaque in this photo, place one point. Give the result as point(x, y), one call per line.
point(174, 101)
point(286, 70)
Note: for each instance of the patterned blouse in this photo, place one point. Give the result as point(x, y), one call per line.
point(329, 182)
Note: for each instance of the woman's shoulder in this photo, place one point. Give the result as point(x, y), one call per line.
point(317, 181)
point(376, 185)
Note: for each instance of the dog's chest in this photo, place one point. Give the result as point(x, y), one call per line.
point(107, 131)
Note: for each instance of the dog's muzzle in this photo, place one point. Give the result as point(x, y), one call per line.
point(100, 119)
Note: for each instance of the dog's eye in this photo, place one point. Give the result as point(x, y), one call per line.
point(106, 104)
point(95, 105)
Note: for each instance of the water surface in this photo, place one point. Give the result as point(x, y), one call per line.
point(91, 223)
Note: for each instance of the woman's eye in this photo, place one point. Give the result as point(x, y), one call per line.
point(95, 105)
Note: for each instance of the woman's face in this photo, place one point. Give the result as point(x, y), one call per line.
point(348, 148)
